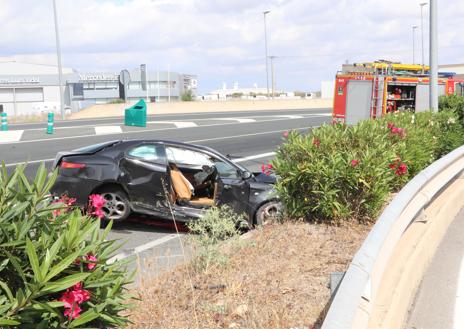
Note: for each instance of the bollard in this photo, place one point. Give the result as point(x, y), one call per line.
point(4, 122)
point(51, 117)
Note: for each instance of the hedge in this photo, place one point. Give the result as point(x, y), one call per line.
point(340, 172)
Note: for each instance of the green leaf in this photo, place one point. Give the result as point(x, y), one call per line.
point(7, 291)
point(6, 322)
point(64, 283)
point(34, 260)
point(84, 318)
point(62, 265)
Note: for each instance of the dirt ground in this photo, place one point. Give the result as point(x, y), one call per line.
point(112, 110)
point(277, 278)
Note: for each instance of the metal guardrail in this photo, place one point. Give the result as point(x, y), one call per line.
point(357, 284)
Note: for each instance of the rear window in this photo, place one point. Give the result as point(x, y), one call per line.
point(95, 147)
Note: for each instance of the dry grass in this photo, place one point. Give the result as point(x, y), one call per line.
point(276, 279)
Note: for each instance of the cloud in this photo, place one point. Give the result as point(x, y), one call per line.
point(222, 40)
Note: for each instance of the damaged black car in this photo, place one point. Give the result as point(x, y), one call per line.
point(163, 179)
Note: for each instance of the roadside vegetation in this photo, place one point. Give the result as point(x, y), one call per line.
point(340, 172)
point(53, 260)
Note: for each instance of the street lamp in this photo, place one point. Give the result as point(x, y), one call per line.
point(58, 54)
point(422, 32)
point(272, 75)
point(414, 27)
point(265, 46)
point(433, 84)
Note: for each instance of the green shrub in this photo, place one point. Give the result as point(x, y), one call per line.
point(340, 172)
point(452, 103)
point(188, 96)
point(53, 261)
point(216, 225)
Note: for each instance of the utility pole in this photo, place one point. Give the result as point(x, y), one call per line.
point(58, 54)
point(169, 83)
point(265, 48)
point(414, 43)
point(433, 83)
point(422, 34)
point(157, 83)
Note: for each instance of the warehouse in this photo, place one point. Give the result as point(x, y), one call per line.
point(27, 88)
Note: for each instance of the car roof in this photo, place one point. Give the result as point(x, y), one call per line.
point(171, 142)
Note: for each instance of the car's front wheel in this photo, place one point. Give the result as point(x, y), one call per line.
point(117, 206)
point(268, 213)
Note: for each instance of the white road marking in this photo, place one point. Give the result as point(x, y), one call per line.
point(142, 248)
point(257, 156)
point(193, 141)
point(105, 130)
point(181, 124)
point(289, 116)
point(28, 162)
point(458, 320)
point(10, 136)
point(132, 132)
point(240, 120)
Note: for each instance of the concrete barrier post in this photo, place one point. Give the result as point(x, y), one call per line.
point(4, 122)
point(51, 119)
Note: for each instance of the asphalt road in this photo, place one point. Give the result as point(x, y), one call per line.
point(439, 302)
point(243, 134)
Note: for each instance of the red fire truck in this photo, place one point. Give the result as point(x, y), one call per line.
point(369, 90)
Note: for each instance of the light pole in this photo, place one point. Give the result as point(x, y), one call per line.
point(422, 32)
point(433, 83)
point(265, 48)
point(414, 43)
point(272, 75)
point(58, 54)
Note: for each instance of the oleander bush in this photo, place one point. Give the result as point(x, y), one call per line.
point(53, 260)
point(341, 172)
point(452, 103)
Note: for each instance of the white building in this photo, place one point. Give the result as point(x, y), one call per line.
point(27, 88)
point(30, 88)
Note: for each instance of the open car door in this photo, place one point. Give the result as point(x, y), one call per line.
point(144, 171)
point(232, 189)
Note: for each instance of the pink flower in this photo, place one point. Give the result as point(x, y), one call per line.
point(390, 125)
point(285, 134)
point(98, 213)
point(401, 170)
point(73, 312)
point(72, 298)
point(316, 142)
point(67, 298)
point(92, 261)
point(97, 201)
point(269, 166)
point(354, 163)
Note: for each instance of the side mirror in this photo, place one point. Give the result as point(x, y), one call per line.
point(245, 174)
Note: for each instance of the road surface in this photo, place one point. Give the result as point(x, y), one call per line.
point(439, 302)
point(251, 135)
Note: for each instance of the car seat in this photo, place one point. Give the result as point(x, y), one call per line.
point(183, 189)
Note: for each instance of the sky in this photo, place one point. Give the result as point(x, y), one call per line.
point(222, 41)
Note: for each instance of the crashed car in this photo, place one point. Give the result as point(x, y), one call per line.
point(163, 179)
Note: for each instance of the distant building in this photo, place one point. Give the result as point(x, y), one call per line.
point(27, 88)
point(236, 92)
point(456, 68)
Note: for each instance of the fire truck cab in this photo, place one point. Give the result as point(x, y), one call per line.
point(369, 90)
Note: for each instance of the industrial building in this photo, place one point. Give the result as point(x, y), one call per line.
point(27, 88)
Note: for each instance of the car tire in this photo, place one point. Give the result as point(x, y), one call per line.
point(117, 206)
point(268, 213)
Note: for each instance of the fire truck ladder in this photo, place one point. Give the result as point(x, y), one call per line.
point(377, 96)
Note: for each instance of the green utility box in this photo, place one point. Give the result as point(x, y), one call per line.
point(136, 115)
